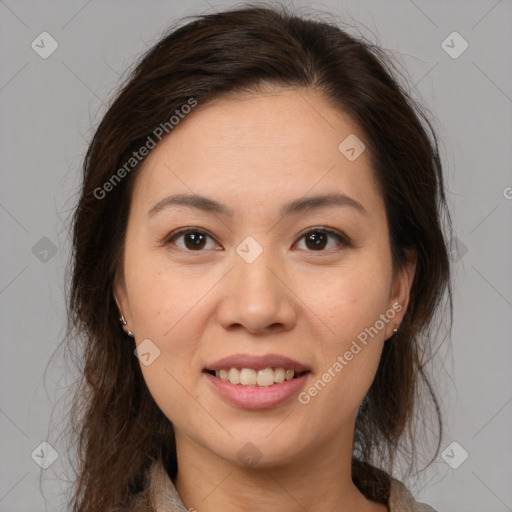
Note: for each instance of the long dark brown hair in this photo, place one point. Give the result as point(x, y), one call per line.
point(116, 427)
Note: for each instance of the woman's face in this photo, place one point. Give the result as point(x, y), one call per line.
point(257, 277)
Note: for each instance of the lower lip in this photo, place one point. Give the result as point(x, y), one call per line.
point(257, 397)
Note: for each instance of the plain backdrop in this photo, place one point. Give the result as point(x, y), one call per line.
point(49, 108)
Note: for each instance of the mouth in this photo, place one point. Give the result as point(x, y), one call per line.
point(256, 381)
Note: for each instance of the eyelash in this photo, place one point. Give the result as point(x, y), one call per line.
point(343, 240)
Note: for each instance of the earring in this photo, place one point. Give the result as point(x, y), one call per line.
point(395, 330)
point(123, 321)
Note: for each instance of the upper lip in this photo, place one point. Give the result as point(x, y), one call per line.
point(257, 362)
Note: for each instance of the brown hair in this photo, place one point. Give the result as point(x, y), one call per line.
point(118, 429)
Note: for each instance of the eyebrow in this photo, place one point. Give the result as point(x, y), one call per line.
point(296, 206)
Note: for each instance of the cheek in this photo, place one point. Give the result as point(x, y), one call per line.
point(161, 301)
point(351, 305)
point(161, 294)
point(351, 298)
point(349, 358)
point(168, 313)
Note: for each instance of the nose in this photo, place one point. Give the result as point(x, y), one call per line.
point(257, 297)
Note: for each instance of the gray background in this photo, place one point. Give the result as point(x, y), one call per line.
point(49, 108)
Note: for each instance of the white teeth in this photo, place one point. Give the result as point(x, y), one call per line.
point(279, 375)
point(247, 377)
point(265, 377)
point(250, 377)
point(234, 376)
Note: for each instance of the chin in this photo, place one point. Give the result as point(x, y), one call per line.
point(259, 451)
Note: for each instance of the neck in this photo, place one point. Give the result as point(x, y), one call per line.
point(318, 480)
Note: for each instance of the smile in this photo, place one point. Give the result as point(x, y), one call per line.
point(249, 377)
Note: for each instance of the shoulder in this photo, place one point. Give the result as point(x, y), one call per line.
point(402, 500)
point(159, 492)
point(378, 485)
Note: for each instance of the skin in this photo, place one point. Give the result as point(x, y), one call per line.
point(254, 153)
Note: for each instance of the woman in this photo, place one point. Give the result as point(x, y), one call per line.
point(258, 257)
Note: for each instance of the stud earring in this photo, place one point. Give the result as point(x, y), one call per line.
point(395, 330)
point(122, 320)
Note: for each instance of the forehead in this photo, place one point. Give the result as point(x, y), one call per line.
point(257, 147)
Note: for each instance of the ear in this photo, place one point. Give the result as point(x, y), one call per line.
point(400, 292)
point(121, 298)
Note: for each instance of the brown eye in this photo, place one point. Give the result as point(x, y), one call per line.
point(317, 239)
point(193, 239)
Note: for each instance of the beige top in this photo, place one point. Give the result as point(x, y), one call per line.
point(160, 495)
